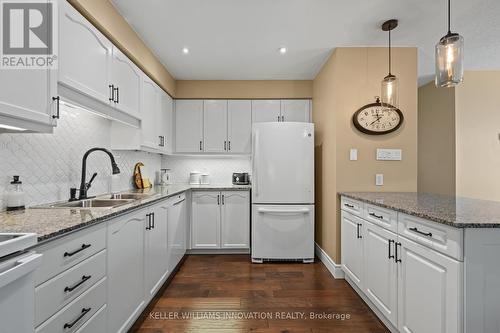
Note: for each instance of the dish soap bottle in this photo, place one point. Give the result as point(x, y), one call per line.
point(15, 195)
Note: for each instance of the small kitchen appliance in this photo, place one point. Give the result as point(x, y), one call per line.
point(15, 195)
point(241, 178)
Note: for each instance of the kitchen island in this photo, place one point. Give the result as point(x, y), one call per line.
point(424, 262)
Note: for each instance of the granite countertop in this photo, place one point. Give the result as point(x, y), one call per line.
point(455, 211)
point(51, 223)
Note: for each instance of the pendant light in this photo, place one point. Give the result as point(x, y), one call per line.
point(389, 95)
point(449, 57)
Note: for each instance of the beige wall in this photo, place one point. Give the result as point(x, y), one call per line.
point(477, 135)
point(109, 21)
point(244, 89)
point(436, 139)
point(350, 79)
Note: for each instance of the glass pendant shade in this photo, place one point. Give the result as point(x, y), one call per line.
point(389, 94)
point(450, 60)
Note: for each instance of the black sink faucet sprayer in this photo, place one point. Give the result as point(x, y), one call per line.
point(84, 186)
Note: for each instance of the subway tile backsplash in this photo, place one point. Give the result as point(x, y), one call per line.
point(49, 164)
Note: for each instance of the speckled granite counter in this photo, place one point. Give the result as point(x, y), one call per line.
point(457, 212)
point(51, 223)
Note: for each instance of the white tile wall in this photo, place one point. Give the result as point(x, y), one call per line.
point(49, 164)
point(220, 168)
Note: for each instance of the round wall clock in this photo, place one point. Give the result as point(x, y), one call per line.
point(376, 119)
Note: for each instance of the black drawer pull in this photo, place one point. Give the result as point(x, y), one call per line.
point(380, 217)
point(84, 278)
point(348, 205)
point(429, 234)
point(391, 256)
point(70, 254)
point(396, 259)
point(58, 99)
point(84, 312)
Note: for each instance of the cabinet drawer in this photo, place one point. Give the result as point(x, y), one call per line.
point(352, 206)
point(176, 199)
point(62, 289)
point(96, 323)
point(68, 251)
point(383, 217)
point(442, 238)
point(76, 313)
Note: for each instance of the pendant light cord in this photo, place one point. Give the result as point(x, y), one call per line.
point(449, 17)
point(389, 52)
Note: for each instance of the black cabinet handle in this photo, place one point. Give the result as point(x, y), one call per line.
point(348, 205)
point(396, 259)
point(358, 225)
point(111, 92)
point(429, 234)
point(84, 278)
point(117, 100)
point(218, 199)
point(149, 221)
point(58, 100)
point(229, 145)
point(278, 118)
point(391, 256)
point(200, 146)
point(223, 199)
point(153, 217)
point(83, 247)
point(282, 118)
point(380, 217)
point(225, 146)
point(84, 312)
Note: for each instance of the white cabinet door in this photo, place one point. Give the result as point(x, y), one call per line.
point(188, 126)
point(266, 110)
point(239, 126)
point(166, 118)
point(295, 110)
point(156, 255)
point(215, 126)
point(352, 247)
point(380, 268)
point(125, 270)
point(177, 221)
point(150, 112)
point(84, 55)
point(205, 226)
point(235, 219)
point(126, 81)
point(429, 290)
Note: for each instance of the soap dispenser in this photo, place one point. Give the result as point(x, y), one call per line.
point(15, 195)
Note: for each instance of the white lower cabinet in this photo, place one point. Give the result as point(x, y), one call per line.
point(220, 220)
point(429, 285)
point(352, 247)
point(380, 268)
point(125, 270)
point(177, 222)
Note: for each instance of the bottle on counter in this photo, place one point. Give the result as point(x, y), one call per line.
point(15, 195)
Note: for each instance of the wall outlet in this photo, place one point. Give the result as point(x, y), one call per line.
point(389, 154)
point(353, 154)
point(379, 179)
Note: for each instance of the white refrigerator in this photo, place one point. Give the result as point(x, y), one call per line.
point(283, 191)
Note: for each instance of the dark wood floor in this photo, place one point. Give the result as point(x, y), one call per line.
point(231, 286)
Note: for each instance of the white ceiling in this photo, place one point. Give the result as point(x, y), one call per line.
point(239, 39)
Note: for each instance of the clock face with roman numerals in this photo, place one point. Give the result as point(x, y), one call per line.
point(376, 119)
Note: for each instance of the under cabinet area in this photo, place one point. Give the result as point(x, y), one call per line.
point(220, 220)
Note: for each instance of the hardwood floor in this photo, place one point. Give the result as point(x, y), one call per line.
point(224, 291)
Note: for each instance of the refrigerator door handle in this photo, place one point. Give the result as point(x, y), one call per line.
point(255, 178)
point(284, 211)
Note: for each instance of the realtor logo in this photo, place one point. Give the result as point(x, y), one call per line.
point(28, 34)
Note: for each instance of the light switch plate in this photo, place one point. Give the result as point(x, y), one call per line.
point(389, 154)
point(379, 179)
point(353, 154)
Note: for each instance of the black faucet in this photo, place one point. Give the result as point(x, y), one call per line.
point(84, 186)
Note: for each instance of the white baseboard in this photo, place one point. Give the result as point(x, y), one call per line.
point(334, 268)
point(218, 251)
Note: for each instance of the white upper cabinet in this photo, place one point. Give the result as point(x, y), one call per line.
point(125, 80)
point(150, 111)
point(239, 126)
point(215, 126)
point(189, 126)
point(235, 219)
point(166, 119)
point(266, 110)
point(84, 55)
point(297, 110)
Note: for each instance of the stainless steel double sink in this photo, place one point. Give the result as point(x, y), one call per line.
point(105, 201)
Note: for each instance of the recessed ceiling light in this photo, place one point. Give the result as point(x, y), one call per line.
point(185, 50)
point(282, 50)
